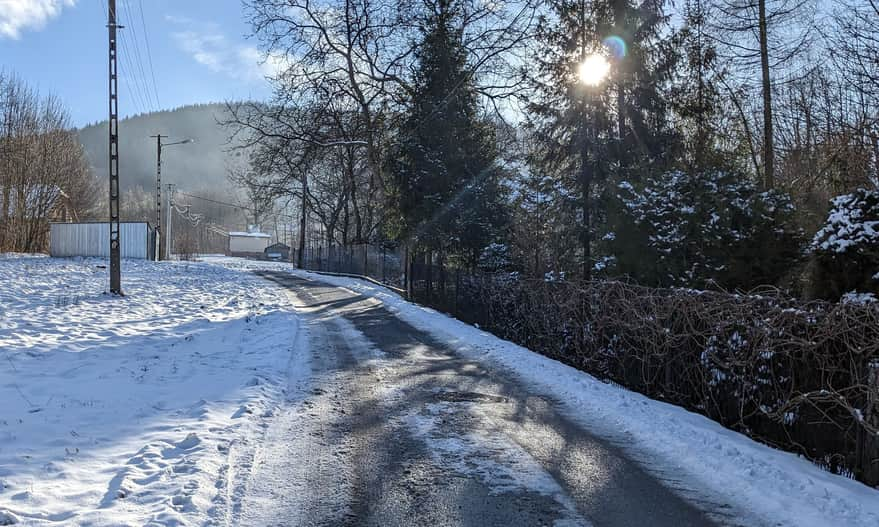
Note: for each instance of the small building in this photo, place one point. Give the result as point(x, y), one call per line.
point(250, 244)
point(277, 251)
point(67, 240)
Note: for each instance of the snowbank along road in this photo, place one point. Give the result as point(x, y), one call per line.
point(398, 429)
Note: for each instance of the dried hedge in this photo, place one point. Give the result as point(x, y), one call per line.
point(801, 376)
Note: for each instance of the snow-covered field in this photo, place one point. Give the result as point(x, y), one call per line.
point(137, 410)
point(720, 464)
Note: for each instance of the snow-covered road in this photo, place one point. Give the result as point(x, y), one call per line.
point(398, 429)
point(234, 392)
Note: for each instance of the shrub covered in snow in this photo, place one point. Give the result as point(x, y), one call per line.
point(495, 257)
point(853, 297)
point(845, 252)
point(687, 229)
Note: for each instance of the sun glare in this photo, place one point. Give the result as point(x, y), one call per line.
point(594, 69)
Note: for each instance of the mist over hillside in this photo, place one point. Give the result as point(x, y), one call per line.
point(203, 164)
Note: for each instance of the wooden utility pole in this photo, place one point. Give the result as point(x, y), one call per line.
point(115, 249)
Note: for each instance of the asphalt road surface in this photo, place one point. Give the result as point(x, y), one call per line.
point(396, 429)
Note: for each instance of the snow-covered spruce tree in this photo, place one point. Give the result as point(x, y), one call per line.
point(616, 129)
point(845, 252)
point(710, 226)
point(444, 164)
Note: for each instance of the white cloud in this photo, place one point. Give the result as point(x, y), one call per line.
point(210, 48)
point(18, 15)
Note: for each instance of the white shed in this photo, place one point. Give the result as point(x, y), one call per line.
point(248, 243)
point(93, 239)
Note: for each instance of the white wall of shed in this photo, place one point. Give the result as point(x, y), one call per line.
point(248, 244)
point(93, 239)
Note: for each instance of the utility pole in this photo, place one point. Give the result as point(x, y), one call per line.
point(115, 253)
point(170, 187)
point(159, 230)
point(158, 194)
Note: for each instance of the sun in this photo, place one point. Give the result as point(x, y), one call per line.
point(594, 69)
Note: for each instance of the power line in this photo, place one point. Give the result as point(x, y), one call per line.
point(131, 96)
point(149, 53)
point(126, 64)
point(139, 95)
point(237, 206)
point(137, 55)
point(185, 211)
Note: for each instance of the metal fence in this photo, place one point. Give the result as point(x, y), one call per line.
point(750, 362)
point(385, 264)
point(428, 280)
point(93, 239)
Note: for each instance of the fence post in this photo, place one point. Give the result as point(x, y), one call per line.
point(869, 442)
point(457, 288)
point(429, 261)
point(406, 272)
point(365, 259)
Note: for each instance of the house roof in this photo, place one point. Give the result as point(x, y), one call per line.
point(250, 234)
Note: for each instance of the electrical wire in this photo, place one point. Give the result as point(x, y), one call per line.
point(138, 58)
point(125, 62)
point(120, 62)
point(237, 206)
point(149, 53)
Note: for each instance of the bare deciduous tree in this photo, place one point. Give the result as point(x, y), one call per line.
point(44, 174)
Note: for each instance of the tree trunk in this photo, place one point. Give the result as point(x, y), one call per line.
point(768, 145)
point(302, 221)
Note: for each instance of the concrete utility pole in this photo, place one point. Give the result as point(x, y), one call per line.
point(168, 246)
point(158, 245)
point(159, 230)
point(115, 249)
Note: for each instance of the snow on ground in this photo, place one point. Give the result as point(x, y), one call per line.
point(148, 409)
point(774, 485)
point(137, 410)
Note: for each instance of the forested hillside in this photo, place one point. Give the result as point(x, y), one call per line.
point(202, 164)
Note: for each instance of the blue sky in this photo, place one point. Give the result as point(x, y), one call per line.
point(200, 53)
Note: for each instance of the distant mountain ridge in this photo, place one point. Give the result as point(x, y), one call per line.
point(203, 164)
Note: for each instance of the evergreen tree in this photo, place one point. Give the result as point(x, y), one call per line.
point(845, 252)
point(696, 94)
point(571, 120)
point(712, 226)
point(617, 129)
point(542, 240)
point(445, 170)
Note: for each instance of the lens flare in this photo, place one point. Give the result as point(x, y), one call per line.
point(594, 69)
point(616, 45)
